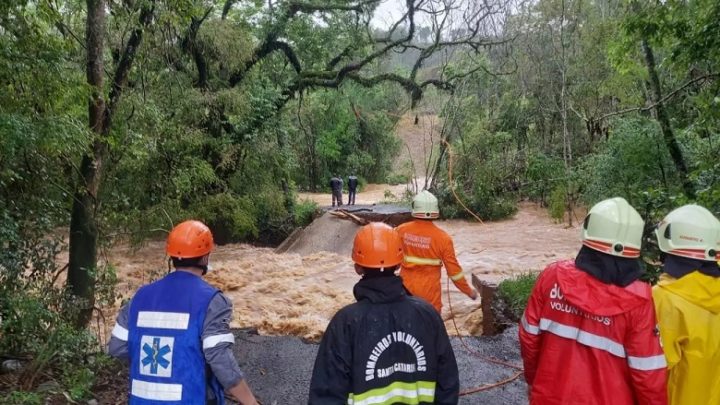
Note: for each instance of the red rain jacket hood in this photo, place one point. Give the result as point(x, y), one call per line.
point(593, 296)
point(587, 342)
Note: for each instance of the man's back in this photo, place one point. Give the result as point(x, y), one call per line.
point(427, 248)
point(352, 183)
point(584, 341)
point(385, 343)
point(335, 184)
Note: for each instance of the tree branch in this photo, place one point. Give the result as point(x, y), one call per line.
point(260, 53)
point(661, 101)
point(126, 61)
point(226, 8)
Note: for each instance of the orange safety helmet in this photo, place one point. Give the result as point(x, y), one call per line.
point(376, 246)
point(189, 239)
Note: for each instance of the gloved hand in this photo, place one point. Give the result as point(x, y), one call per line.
point(474, 295)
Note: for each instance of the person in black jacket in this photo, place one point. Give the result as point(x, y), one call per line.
point(336, 186)
point(352, 188)
point(388, 347)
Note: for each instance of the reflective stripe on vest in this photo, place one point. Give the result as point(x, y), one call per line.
point(396, 393)
point(423, 260)
point(163, 320)
point(457, 276)
point(156, 391)
point(595, 341)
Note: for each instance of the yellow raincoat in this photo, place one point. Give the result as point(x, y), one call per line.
point(688, 312)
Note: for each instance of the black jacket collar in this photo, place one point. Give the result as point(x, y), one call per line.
point(379, 290)
point(678, 266)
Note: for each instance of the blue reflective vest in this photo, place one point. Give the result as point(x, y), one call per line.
point(165, 322)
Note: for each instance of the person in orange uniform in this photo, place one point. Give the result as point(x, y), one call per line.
point(427, 248)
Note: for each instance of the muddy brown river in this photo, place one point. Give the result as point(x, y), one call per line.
point(294, 294)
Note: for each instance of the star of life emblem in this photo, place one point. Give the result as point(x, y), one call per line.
point(156, 356)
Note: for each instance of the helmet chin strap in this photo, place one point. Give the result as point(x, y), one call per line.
point(204, 264)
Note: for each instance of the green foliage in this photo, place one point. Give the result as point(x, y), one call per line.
point(305, 212)
point(558, 202)
point(343, 133)
point(229, 217)
point(78, 382)
point(485, 172)
point(481, 202)
point(22, 398)
point(397, 178)
point(543, 173)
point(36, 311)
point(515, 292)
point(634, 158)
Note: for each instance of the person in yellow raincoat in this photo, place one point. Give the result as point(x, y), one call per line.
point(687, 302)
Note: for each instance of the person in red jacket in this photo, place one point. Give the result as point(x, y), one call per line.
point(589, 333)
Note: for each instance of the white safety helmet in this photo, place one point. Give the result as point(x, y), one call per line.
point(425, 206)
point(690, 231)
point(614, 227)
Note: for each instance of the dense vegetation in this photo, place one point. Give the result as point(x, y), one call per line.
point(121, 117)
point(591, 100)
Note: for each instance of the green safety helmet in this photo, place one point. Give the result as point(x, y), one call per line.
point(425, 206)
point(614, 227)
point(690, 231)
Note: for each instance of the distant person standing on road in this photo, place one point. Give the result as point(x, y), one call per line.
point(352, 188)
point(589, 333)
point(336, 186)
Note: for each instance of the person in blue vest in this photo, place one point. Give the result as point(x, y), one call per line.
point(175, 332)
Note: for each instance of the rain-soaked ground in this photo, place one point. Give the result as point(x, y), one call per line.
point(279, 369)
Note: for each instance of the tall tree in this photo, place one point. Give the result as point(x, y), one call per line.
point(656, 95)
point(83, 220)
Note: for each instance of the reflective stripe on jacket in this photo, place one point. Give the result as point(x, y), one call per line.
point(688, 311)
point(586, 342)
point(427, 248)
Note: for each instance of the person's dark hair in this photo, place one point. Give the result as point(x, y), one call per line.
point(188, 262)
point(388, 271)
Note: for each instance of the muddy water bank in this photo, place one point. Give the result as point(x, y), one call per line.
point(279, 369)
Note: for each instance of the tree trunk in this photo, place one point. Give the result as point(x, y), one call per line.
point(83, 230)
point(83, 226)
point(662, 117)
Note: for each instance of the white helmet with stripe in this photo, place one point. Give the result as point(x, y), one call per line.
point(614, 227)
point(690, 231)
point(425, 206)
